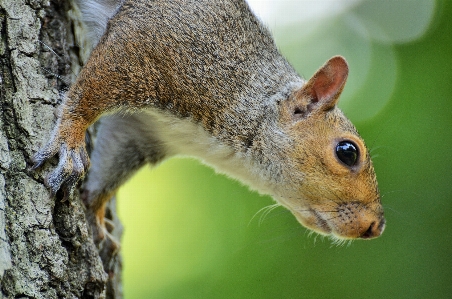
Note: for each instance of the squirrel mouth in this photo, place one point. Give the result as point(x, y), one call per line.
point(350, 221)
point(363, 226)
point(321, 223)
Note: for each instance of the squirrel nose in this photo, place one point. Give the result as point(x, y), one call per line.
point(375, 229)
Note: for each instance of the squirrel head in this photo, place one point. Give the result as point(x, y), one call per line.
point(334, 189)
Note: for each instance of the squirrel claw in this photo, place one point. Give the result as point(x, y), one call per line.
point(43, 155)
point(99, 230)
point(71, 167)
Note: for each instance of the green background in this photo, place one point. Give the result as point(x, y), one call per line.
point(190, 233)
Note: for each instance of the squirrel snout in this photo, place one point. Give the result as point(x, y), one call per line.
point(348, 221)
point(375, 229)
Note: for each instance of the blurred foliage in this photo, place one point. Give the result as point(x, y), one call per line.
point(190, 233)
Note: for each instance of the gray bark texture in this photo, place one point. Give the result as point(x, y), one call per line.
point(46, 248)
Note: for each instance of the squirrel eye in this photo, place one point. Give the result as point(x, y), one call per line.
point(347, 152)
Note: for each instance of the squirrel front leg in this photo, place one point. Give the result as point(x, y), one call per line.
point(67, 139)
point(76, 114)
point(99, 88)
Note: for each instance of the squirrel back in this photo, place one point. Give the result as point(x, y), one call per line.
point(205, 78)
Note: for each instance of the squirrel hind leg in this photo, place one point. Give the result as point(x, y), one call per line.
point(102, 227)
point(117, 155)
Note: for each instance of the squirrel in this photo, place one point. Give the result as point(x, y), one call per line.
point(205, 79)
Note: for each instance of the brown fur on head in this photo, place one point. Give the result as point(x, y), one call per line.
point(331, 198)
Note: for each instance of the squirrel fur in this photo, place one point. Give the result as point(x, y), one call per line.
point(204, 78)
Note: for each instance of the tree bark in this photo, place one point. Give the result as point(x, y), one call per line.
point(46, 247)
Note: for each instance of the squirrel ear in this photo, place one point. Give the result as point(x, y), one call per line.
point(325, 87)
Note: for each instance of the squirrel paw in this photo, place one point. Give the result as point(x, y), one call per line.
point(71, 166)
point(109, 242)
point(101, 229)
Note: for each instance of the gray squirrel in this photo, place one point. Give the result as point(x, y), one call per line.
point(204, 78)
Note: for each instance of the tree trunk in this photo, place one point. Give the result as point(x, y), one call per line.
point(46, 248)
